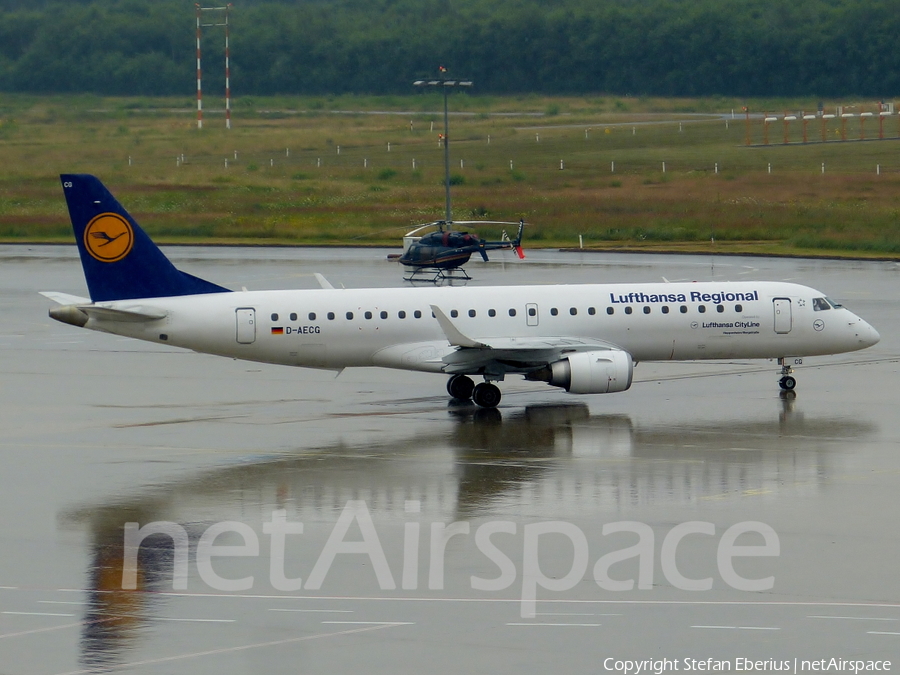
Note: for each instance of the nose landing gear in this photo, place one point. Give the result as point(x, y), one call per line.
point(787, 381)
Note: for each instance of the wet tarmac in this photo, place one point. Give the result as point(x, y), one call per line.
point(295, 521)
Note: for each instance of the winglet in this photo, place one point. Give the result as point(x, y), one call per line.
point(323, 282)
point(453, 334)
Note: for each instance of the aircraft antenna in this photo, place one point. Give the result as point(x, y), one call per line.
point(445, 84)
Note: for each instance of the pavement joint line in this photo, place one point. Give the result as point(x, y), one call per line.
point(372, 623)
point(237, 648)
point(740, 627)
point(163, 618)
point(854, 618)
point(880, 632)
point(37, 614)
point(326, 611)
point(717, 627)
point(41, 630)
point(758, 628)
point(561, 625)
point(760, 603)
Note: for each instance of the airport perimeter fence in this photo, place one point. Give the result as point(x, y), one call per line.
point(691, 146)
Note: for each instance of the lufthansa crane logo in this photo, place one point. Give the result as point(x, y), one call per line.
point(108, 237)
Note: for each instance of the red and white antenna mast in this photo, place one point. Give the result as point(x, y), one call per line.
point(199, 75)
point(223, 21)
point(227, 72)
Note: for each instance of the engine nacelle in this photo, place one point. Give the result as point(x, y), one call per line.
point(600, 372)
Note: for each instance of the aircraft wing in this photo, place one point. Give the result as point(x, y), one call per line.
point(508, 354)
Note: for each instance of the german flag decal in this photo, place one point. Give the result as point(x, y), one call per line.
point(277, 330)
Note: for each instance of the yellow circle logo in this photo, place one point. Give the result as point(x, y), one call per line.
point(108, 237)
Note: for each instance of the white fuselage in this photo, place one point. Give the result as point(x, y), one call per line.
point(395, 327)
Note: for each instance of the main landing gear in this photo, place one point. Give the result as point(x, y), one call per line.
point(787, 381)
point(485, 394)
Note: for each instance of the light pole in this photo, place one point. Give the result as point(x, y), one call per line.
point(445, 85)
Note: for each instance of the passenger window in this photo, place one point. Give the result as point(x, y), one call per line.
point(331, 316)
point(720, 308)
point(293, 316)
point(702, 309)
point(492, 312)
point(368, 315)
point(274, 317)
point(312, 316)
point(573, 311)
point(454, 313)
point(592, 310)
point(401, 314)
point(417, 314)
point(512, 312)
point(553, 311)
point(820, 304)
point(610, 310)
point(383, 315)
point(739, 308)
point(472, 313)
point(628, 310)
point(665, 309)
point(646, 310)
point(532, 311)
point(350, 316)
point(683, 309)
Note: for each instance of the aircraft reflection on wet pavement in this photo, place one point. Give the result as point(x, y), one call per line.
point(542, 459)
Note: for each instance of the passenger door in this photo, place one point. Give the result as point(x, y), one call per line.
point(531, 314)
point(782, 308)
point(246, 325)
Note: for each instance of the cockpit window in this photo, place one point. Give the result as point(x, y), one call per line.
point(833, 303)
point(820, 304)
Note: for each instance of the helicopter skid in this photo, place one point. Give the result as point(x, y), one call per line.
point(435, 275)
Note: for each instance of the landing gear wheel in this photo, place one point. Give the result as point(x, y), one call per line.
point(787, 383)
point(460, 387)
point(486, 395)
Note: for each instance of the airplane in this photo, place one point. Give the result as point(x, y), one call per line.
point(583, 338)
point(446, 251)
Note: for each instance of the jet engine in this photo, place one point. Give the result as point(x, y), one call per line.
point(599, 372)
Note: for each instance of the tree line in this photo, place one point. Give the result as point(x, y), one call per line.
point(315, 47)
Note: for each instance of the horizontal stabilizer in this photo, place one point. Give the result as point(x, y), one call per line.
point(77, 313)
point(135, 314)
point(65, 298)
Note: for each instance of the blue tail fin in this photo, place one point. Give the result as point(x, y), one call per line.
point(120, 261)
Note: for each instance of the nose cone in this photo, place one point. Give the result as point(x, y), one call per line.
point(866, 335)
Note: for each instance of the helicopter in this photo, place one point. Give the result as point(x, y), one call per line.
point(444, 251)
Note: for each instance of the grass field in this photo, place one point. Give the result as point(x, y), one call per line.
point(672, 174)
